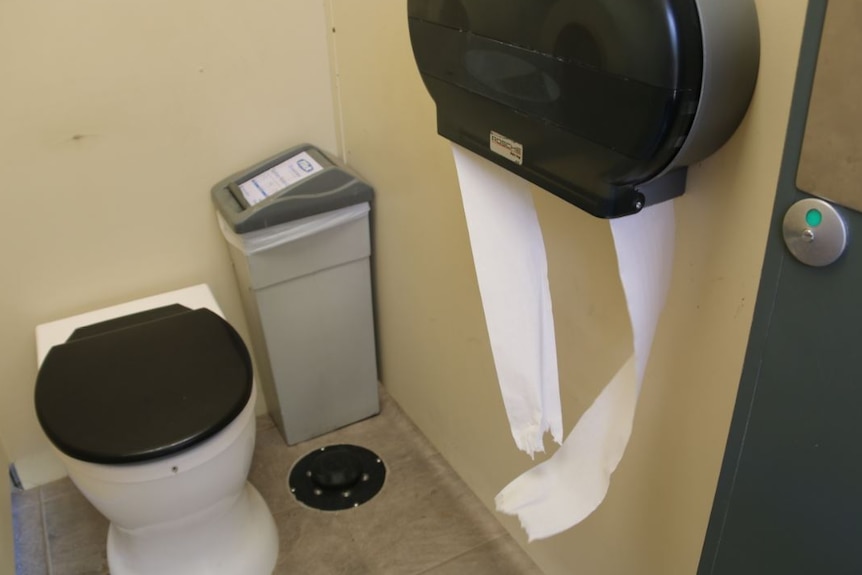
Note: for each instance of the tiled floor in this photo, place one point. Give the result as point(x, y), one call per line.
point(424, 520)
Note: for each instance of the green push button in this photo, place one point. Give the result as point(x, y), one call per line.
point(814, 218)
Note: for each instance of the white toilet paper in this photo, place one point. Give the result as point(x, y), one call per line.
point(509, 255)
point(565, 489)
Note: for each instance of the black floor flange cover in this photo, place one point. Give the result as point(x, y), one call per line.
point(337, 477)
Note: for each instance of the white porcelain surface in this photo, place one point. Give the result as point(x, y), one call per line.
point(50, 334)
point(235, 537)
point(169, 488)
point(191, 513)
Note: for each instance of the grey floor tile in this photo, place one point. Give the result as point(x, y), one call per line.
point(77, 535)
point(500, 556)
point(269, 469)
point(58, 488)
point(31, 556)
point(22, 498)
point(264, 422)
point(390, 434)
point(423, 516)
point(315, 542)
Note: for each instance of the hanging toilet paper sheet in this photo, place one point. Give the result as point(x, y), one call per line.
point(512, 270)
point(511, 267)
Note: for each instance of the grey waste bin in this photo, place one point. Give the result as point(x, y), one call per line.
point(297, 226)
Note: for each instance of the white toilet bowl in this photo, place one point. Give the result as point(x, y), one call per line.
point(177, 508)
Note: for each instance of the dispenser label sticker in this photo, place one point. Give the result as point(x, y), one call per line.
point(509, 149)
point(279, 177)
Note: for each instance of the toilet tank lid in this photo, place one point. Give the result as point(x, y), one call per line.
point(143, 386)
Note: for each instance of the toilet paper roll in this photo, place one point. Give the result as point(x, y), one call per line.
point(562, 491)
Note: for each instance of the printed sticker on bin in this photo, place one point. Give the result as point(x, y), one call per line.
point(277, 178)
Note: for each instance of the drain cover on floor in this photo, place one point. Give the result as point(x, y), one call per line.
point(337, 477)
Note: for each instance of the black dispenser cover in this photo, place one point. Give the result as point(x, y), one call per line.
point(600, 94)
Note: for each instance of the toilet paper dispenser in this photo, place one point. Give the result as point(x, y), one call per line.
point(604, 103)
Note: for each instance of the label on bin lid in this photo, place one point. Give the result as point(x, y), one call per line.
point(277, 178)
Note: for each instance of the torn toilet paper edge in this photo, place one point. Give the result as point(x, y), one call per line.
point(564, 490)
point(511, 266)
point(512, 271)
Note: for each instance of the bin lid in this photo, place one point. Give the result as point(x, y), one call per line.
point(143, 386)
point(294, 184)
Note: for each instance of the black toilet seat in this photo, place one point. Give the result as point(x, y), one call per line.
point(143, 386)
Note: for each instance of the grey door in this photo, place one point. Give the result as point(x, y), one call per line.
point(789, 498)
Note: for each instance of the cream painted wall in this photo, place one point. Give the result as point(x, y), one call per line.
point(117, 118)
point(436, 356)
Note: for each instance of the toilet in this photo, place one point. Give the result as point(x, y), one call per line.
point(150, 406)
